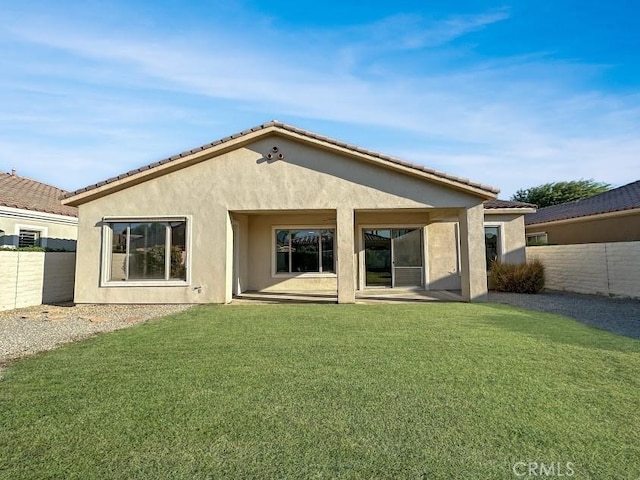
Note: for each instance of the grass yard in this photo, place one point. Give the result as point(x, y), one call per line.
point(435, 391)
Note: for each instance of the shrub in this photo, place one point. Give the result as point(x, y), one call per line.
point(7, 248)
point(521, 278)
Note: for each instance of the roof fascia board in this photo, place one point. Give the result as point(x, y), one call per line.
point(35, 215)
point(586, 218)
point(514, 210)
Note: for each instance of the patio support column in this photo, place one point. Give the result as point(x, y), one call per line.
point(472, 254)
point(345, 265)
point(215, 261)
point(228, 273)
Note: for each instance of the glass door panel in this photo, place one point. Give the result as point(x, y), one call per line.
point(377, 251)
point(407, 257)
point(407, 247)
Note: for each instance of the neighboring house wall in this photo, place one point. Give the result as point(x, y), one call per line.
point(619, 228)
point(596, 268)
point(56, 231)
point(32, 278)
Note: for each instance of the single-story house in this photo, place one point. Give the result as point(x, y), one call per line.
point(32, 215)
point(611, 216)
point(277, 208)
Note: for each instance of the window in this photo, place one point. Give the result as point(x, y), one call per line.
point(537, 239)
point(304, 251)
point(492, 245)
point(141, 251)
point(28, 238)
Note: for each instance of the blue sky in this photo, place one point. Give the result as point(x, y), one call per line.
point(509, 94)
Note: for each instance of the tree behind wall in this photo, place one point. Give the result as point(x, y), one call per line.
point(560, 192)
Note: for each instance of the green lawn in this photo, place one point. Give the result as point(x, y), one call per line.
point(328, 391)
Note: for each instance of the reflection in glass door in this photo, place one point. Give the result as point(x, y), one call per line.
point(377, 258)
point(393, 257)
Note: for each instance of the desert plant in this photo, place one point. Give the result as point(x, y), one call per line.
point(7, 248)
point(517, 278)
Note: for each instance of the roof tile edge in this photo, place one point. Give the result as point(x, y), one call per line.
point(299, 131)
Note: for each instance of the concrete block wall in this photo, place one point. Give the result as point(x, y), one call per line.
point(624, 268)
point(593, 268)
point(58, 276)
point(33, 278)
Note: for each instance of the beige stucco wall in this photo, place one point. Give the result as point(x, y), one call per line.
point(513, 241)
point(244, 183)
point(444, 261)
point(54, 233)
point(443, 247)
point(623, 228)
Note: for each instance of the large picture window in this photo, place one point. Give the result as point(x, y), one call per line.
point(304, 251)
point(142, 251)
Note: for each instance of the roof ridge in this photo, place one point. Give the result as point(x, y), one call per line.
point(15, 175)
point(293, 129)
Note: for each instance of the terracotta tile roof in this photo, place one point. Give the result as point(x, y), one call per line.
point(622, 198)
point(20, 192)
point(497, 203)
point(305, 133)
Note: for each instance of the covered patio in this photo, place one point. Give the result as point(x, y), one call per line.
point(364, 255)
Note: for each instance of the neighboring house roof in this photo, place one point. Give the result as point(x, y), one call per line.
point(27, 194)
point(618, 199)
point(200, 154)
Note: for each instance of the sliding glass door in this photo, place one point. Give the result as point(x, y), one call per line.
point(393, 257)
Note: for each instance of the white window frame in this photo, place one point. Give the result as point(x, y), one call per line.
point(107, 238)
point(500, 226)
point(274, 262)
point(537, 234)
point(35, 228)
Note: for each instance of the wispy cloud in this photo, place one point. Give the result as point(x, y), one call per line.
point(415, 32)
point(495, 122)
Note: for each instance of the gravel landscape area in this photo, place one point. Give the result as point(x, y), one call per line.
point(616, 315)
point(26, 331)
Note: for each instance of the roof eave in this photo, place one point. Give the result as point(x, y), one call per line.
point(484, 191)
point(513, 210)
point(232, 142)
point(172, 164)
